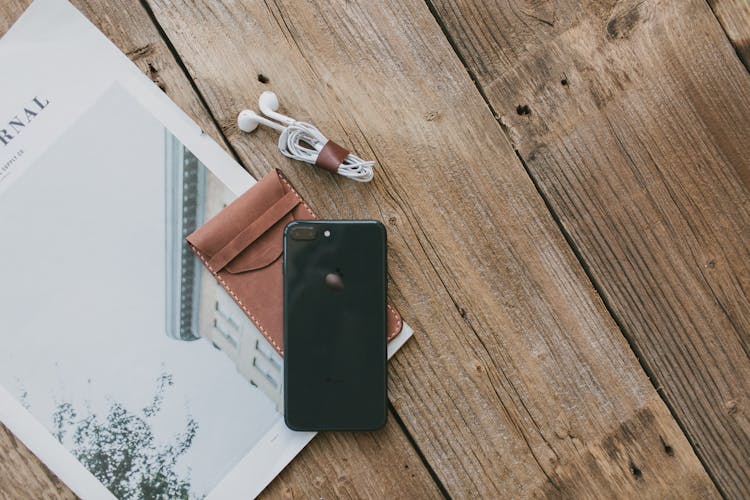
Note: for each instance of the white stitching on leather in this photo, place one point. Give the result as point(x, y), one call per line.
point(304, 203)
point(396, 315)
point(239, 302)
point(399, 320)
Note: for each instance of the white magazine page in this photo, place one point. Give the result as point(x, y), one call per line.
point(125, 367)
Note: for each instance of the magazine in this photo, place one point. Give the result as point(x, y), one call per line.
point(125, 367)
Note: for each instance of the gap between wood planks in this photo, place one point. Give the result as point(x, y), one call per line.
point(568, 238)
point(644, 365)
point(178, 59)
point(729, 17)
point(183, 68)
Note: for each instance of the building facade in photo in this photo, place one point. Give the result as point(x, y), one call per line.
point(197, 306)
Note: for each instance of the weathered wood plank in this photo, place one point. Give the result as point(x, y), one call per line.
point(373, 465)
point(22, 474)
point(734, 16)
point(633, 117)
point(518, 382)
point(326, 470)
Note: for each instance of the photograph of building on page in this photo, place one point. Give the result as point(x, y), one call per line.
point(114, 337)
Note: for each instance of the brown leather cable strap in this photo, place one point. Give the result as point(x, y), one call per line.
point(331, 156)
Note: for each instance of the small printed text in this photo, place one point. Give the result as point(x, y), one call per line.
point(7, 164)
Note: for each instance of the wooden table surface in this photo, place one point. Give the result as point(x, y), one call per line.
point(566, 187)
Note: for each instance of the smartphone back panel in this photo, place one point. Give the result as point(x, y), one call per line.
point(334, 325)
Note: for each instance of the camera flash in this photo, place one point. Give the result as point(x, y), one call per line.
point(326, 233)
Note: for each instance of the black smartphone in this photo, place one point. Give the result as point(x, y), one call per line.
point(335, 325)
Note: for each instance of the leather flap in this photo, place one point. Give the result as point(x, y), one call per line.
point(248, 234)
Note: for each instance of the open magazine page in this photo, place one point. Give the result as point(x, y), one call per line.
point(118, 342)
point(126, 368)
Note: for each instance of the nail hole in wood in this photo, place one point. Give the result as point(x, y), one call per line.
point(564, 82)
point(635, 471)
point(263, 78)
point(523, 109)
point(667, 448)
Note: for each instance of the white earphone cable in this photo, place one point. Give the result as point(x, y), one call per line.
point(301, 140)
point(294, 142)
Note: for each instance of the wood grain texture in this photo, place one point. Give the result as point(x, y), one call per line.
point(373, 465)
point(22, 475)
point(518, 382)
point(633, 118)
point(324, 468)
point(734, 16)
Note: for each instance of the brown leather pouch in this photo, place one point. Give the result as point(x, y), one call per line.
point(242, 247)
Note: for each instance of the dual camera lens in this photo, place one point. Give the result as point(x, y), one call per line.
point(307, 233)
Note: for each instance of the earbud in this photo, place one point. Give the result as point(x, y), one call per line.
point(268, 103)
point(303, 141)
point(248, 120)
point(268, 100)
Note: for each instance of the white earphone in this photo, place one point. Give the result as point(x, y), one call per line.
point(268, 103)
point(296, 136)
point(248, 120)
